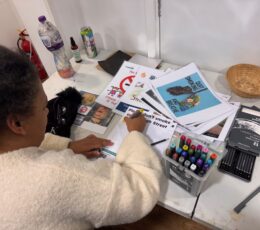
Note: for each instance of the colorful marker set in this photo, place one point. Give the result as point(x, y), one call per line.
point(191, 154)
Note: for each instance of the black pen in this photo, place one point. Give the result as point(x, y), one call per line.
point(158, 142)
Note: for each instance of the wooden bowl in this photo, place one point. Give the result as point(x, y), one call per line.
point(244, 80)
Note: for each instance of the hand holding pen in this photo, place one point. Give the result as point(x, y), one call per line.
point(136, 122)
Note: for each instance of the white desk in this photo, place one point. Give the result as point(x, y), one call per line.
point(90, 79)
point(223, 192)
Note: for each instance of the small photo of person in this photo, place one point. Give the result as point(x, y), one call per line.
point(100, 114)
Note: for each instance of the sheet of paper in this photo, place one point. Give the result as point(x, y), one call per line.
point(140, 84)
point(221, 130)
point(188, 97)
point(93, 116)
point(118, 86)
point(157, 128)
point(150, 98)
point(195, 127)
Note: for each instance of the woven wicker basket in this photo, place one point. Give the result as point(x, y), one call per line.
point(244, 80)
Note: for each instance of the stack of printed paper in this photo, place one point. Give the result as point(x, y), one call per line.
point(182, 95)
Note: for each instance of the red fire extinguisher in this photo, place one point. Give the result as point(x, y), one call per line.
point(27, 48)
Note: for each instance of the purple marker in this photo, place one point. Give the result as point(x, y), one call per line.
point(184, 154)
point(205, 167)
point(199, 163)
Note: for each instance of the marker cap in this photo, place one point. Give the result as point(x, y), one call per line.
point(209, 162)
point(181, 159)
point(203, 156)
point(193, 159)
point(193, 167)
point(187, 163)
point(178, 150)
point(184, 154)
point(213, 156)
point(188, 141)
point(185, 147)
point(199, 162)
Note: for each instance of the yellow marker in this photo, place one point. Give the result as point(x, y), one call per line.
point(185, 147)
point(137, 113)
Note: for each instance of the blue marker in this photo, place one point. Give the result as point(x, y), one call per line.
point(193, 159)
point(179, 150)
point(209, 162)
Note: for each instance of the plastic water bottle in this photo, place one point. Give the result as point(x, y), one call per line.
point(52, 40)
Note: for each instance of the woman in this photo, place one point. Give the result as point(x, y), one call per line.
point(47, 182)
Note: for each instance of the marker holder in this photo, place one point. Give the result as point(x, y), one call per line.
point(183, 176)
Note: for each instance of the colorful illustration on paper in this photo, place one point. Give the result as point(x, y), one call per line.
point(187, 95)
point(92, 115)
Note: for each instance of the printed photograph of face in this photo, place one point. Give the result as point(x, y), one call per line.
point(100, 115)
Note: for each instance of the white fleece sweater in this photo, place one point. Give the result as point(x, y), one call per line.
point(57, 189)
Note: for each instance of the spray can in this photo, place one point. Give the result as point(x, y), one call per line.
point(89, 42)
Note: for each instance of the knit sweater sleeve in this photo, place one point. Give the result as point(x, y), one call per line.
point(54, 142)
point(136, 181)
point(103, 192)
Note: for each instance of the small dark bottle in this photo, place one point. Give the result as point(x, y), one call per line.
point(75, 50)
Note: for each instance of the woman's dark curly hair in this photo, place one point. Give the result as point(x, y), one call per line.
point(19, 83)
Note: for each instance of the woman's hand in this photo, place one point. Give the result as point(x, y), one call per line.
point(90, 146)
point(135, 124)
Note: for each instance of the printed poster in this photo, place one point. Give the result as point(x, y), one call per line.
point(119, 85)
point(188, 97)
point(139, 85)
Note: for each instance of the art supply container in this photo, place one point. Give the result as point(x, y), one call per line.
point(192, 176)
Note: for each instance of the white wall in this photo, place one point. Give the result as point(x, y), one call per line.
point(9, 24)
point(215, 34)
point(117, 24)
